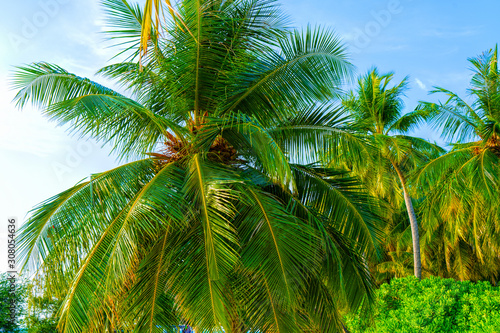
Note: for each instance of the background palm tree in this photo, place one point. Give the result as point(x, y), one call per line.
point(475, 128)
point(460, 237)
point(461, 184)
point(376, 111)
point(213, 226)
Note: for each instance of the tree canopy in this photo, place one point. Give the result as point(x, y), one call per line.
point(253, 194)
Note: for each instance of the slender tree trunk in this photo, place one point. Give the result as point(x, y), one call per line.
point(417, 264)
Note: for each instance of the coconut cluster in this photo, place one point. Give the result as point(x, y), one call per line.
point(175, 149)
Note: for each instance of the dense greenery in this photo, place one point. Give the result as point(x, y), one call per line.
point(214, 222)
point(12, 298)
point(457, 190)
point(376, 113)
point(462, 187)
point(254, 195)
point(34, 313)
point(41, 312)
point(437, 305)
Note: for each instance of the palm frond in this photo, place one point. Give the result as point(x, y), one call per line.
point(124, 24)
point(311, 67)
point(318, 133)
point(342, 200)
point(92, 109)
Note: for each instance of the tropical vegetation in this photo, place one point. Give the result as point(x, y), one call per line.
point(213, 222)
point(432, 305)
point(376, 114)
point(24, 309)
point(462, 186)
point(11, 299)
point(253, 194)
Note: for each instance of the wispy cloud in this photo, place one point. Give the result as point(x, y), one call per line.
point(445, 79)
point(452, 32)
point(421, 85)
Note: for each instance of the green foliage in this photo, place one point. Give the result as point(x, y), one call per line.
point(227, 222)
point(34, 314)
point(436, 305)
point(41, 312)
point(460, 188)
point(217, 225)
point(10, 298)
point(376, 115)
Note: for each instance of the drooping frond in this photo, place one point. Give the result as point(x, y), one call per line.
point(124, 25)
point(342, 200)
point(92, 109)
point(310, 67)
point(247, 135)
point(318, 133)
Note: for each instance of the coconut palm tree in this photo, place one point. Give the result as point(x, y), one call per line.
point(376, 111)
point(208, 222)
point(461, 231)
point(474, 127)
point(461, 184)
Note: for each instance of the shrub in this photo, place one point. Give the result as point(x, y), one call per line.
point(11, 299)
point(41, 314)
point(33, 314)
point(436, 305)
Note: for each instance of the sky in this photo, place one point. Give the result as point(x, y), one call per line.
point(427, 40)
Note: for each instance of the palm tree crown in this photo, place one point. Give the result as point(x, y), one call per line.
point(460, 185)
point(475, 127)
point(377, 113)
point(213, 226)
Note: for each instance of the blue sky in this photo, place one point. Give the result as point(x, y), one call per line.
point(428, 40)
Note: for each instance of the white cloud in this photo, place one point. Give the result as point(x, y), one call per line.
point(452, 32)
point(421, 84)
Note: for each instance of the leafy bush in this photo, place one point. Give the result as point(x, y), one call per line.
point(34, 314)
point(41, 314)
point(436, 305)
point(10, 296)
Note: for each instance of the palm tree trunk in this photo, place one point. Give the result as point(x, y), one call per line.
point(417, 264)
